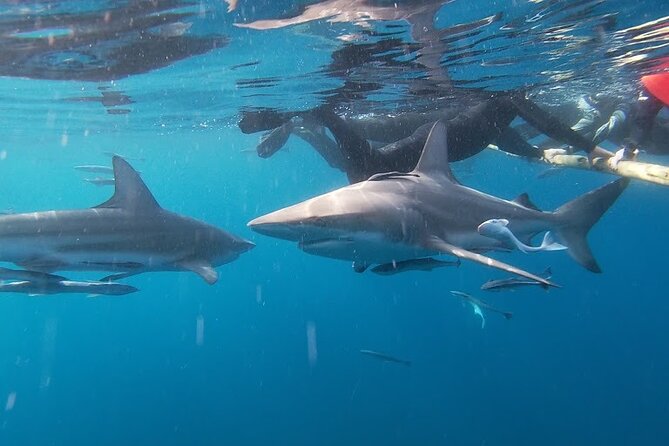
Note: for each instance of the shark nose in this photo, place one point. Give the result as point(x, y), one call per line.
point(260, 221)
point(244, 245)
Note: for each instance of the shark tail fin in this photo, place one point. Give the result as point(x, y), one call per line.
point(579, 215)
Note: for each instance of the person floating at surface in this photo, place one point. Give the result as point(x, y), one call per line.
point(469, 133)
point(632, 124)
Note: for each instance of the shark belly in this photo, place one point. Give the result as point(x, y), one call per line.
point(367, 247)
point(78, 251)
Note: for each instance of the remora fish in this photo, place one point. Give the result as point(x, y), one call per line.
point(498, 229)
point(478, 303)
point(100, 181)
point(67, 286)
point(515, 282)
point(400, 216)
point(385, 357)
point(427, 264)
point(26, 275)
point(129, 234)
point(91, 168)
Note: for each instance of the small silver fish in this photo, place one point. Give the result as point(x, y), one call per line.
point(479, 304)
point(385, 357)
point(515, 282)
point(66, 286)
point(424, 264)
point(90, 168)
point(100, 181)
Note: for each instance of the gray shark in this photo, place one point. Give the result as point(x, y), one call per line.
point(396, 216)
point(128, 234)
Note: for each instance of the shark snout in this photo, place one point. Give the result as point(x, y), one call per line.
point(242, 245)
point(274, 228)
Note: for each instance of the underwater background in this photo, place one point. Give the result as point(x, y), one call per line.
point(271, 353)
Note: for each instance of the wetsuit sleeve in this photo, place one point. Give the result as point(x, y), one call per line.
point(315, 136)
point(262, 120)
point(403, 155)
point(589, 115)
point(550, 125)
point(360, 160)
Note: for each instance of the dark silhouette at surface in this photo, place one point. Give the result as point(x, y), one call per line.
point(135, 37)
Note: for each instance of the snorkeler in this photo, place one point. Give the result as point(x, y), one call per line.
point(469, 132)
point(632, 124)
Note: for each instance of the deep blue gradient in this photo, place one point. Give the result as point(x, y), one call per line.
point(586, 364)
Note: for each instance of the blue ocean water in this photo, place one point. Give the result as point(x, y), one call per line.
point(270, 354)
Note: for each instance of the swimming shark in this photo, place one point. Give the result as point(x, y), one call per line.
point(396, 216)
point(128, 234)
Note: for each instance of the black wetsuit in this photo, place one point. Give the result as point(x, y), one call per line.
point(468, 134)
point(631, 123)
point(645, 110)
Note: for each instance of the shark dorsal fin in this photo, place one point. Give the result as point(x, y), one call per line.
point(434, 159)
point(524, 200)
point(130, 191)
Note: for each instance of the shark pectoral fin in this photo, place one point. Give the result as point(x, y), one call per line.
point(437, 244)
point(524, 200)
point(202, 268)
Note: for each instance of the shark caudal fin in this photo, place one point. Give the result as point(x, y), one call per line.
point(579, 215)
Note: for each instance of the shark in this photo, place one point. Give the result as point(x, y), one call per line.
point(395, 216)
point(128, 234)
